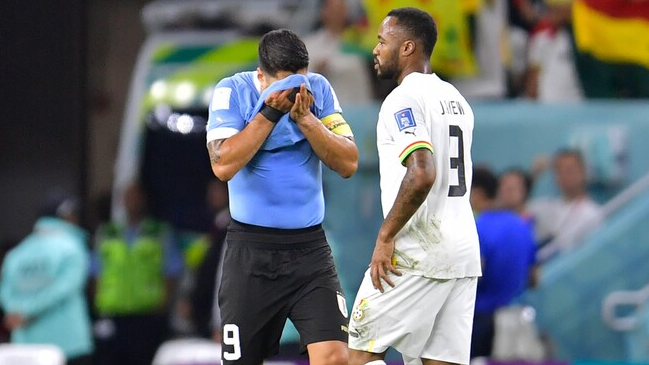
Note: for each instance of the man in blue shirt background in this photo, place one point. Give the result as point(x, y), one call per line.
point(269, 132)
point(507, 251)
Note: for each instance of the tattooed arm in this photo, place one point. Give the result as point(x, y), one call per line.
point(228, 156)
point(419, 179)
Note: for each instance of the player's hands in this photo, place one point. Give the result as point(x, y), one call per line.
point(302, 106)
point(382, 264)
point(280, 101)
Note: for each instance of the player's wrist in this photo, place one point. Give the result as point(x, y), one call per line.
point(273, 115)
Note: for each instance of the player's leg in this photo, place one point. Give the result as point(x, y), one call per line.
point(420, 361)
point(328, 353)
point(319, 310)
point(358, 357)
point(253, 308)
point(450, 340)
point(402, 317)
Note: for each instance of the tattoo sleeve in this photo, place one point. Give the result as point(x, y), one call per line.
point(213, 149)
point(412, 193)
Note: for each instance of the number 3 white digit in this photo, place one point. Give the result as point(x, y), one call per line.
point(231, 337)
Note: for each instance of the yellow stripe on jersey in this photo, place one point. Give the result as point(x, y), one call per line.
point(412, 147)
point(337, 124)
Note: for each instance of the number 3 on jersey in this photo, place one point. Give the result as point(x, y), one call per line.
point(457, 163)
point(231, 338)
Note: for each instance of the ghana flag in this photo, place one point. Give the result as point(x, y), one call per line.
point(613, 30)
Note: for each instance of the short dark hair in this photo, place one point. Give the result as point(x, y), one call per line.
point(282, 50)
point(484, 179)
point(419, 25)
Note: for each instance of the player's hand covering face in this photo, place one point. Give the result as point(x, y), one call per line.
point(302, 106)
point(280, 100)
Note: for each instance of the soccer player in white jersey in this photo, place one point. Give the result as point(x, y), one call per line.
point(418, 294)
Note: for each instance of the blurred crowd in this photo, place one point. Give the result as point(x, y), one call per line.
point(546, 50)
point(115, 293)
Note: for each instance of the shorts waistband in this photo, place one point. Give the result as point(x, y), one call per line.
point(275, 238)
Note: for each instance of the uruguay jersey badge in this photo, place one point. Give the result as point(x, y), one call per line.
point(405, 119)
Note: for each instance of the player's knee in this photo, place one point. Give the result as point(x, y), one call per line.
point(338, 357)
point(335, 356)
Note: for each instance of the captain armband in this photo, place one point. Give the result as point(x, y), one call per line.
point(338, 125)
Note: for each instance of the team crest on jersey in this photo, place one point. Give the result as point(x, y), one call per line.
point(405, 119)
point(359, 312)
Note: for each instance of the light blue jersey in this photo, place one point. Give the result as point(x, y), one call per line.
point(281, 187)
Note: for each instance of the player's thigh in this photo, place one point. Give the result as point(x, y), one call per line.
point(319, 309)
point(252, 305)
point(401, 317)
point(450, 340)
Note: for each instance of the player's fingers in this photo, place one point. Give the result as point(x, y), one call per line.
point(386, 278)
point(376, 277)
point(394, 270)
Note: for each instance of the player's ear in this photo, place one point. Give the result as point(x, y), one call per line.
point(260, 74)
point(262, 78)
point(408, 48)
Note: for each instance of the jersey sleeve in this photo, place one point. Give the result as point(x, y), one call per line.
point(225, 118)
point(403, 118)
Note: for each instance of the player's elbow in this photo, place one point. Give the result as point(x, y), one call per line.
point(423, 179)
point(349, 165)
point(222, 172)
point(349, 169)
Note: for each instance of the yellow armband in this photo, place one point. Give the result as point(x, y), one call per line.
point(337, 124)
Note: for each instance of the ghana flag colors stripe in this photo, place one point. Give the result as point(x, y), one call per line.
point(613, 30)
point(414, 146)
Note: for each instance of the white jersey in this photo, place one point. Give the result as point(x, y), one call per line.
point(440, 240)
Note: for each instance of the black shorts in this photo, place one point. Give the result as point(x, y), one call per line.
point(270, 275)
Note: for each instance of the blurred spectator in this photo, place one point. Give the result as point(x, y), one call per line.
point(43, 282)
point(514, 188)
point(523, 17)
point(552, 75)
point(524, 14)
point(204, 309)
point(492, 53)
point(560, 223)
point(135, 267)
point(507, 251)
point(348, 72)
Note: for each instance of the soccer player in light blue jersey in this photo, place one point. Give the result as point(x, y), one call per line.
point(269, 132)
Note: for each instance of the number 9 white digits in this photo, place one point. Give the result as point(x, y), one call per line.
point(231, 337)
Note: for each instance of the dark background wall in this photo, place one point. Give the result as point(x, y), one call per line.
point(42, 72)
point(64, 76)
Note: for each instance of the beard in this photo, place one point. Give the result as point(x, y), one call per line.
point(386, 70)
